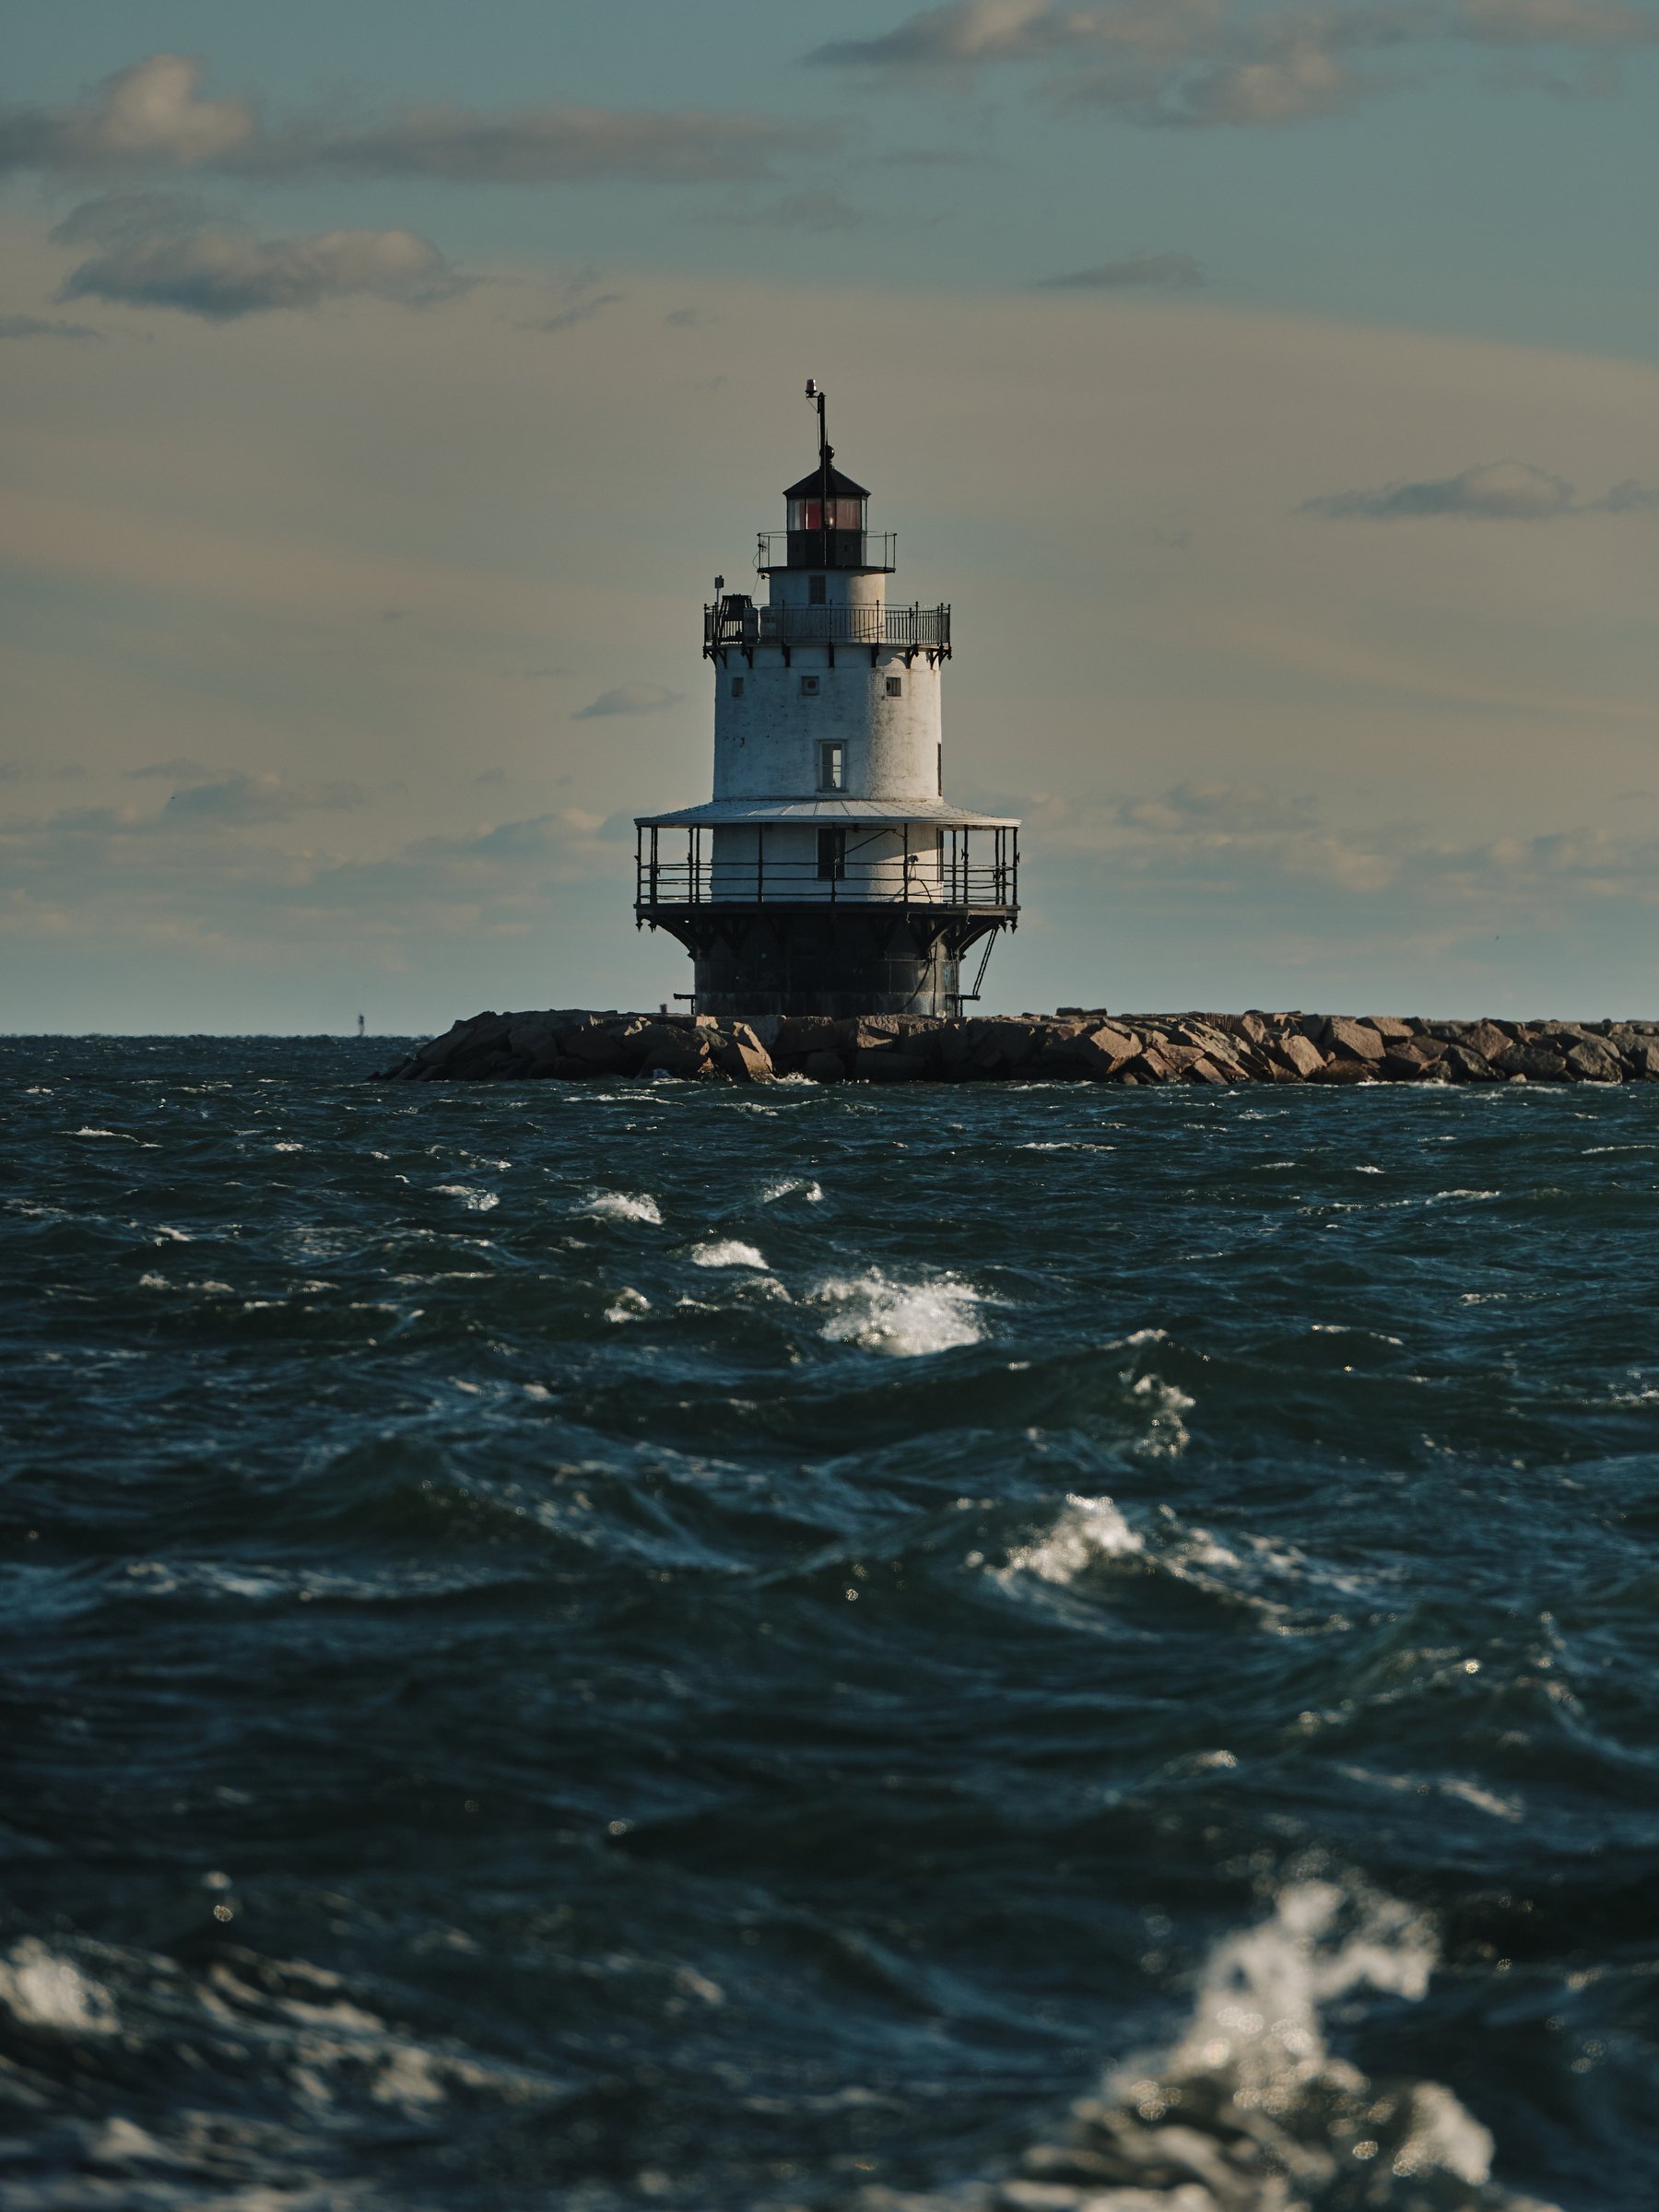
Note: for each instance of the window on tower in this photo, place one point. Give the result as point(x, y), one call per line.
point(895, 687)
point(737, 687)
point(831, 855)
point(809, 686)
point(832, 765)
point(817, 591)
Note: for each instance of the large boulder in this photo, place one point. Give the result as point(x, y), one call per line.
point(1103, 1053)
point(825, 1067)
point(1339, 1070)
point(1346, 1040)
point(888, 1064)
point(1463, 1065)
point(674, 1052)
point(1297, 1053)
point(736, 1051)
point(799, 1034)
point(1593, 1061)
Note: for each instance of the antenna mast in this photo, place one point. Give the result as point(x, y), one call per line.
point(816, 393)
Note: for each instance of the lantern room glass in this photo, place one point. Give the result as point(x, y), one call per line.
point(841, 514)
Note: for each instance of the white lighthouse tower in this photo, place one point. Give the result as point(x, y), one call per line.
point(828, 874)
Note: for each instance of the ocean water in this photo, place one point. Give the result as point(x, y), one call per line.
point(650, 1646)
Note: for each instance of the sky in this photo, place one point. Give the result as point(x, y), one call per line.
point(1272, 390)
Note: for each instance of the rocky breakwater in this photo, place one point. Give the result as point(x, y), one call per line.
point(1074, 1045)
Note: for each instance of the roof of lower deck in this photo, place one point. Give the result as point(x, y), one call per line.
point(936, 813)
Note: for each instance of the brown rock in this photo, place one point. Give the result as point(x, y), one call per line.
point(1402, 1068)
point(1487, 1039)
point(1388, 1025)
point(1466, 1066)
point(1338, 1070)
point(888, 1064)
point(674, 1052)
point(1102, 1052)
point(825, 1067)
point(1642, 1060)
point(799, 1034)
point(736, 1051)
point(1297, 1053)
point(1351, 1040)
point(1591, 1061)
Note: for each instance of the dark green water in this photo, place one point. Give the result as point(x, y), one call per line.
point(650, 1646)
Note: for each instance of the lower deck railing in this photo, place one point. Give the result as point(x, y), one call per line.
point(946, 874)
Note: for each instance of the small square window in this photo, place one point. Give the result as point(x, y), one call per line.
point(737, 687)
point(817, 591)
point(832, 766)
point(895, 687)
point(809, 686)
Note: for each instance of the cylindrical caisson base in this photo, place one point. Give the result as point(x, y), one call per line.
point(843, 962)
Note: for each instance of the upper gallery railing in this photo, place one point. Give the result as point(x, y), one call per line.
point(826, 549)
point(736, 621)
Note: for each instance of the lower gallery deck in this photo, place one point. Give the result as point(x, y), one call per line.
point(828, 912)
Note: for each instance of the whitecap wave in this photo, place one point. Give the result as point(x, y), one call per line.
point(475, 1200)
point(41, 1990)
point(1089, 1529)
point(728, 1253)
point(902, 1319)
point(792, 1186)
point(623, 1206)
point(1249, 2110)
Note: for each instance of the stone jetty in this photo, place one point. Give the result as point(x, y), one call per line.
point(1076, 1045)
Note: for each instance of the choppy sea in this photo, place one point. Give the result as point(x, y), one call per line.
point(649, 1646)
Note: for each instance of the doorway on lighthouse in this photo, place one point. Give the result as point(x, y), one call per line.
point(831, 855)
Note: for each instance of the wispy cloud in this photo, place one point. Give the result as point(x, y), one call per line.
point(628, 699)
point(1502, 491)
point(815, 209)
point(1210, 64)
point(161, 252)
point(237, 801)
point(36, 326)
point(1607, 23)
point(1167, 272)
point(153, 117)
point(580, 300)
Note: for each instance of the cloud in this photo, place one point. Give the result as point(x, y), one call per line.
point(580, 299)
point(966, 33)
point(628, 699)
point(1209, 63)
point(1605, 23)
point(160, 252)
point(566, 318)
point(174, 771)
point(1166, 271)
point(1511, 492)
point(814, 210)
point(240, 802)
point(34, 326)
point(150, 117)
point(144, 116)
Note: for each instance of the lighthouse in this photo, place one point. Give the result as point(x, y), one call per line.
point(828, 874)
